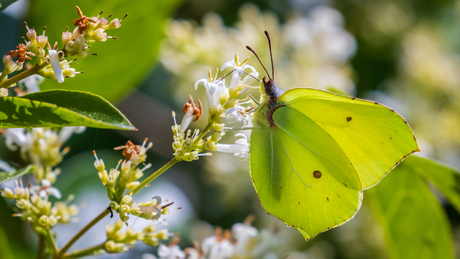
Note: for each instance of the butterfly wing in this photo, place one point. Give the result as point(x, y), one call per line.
point(374, 137)
point(353, 143)
point(301, 175)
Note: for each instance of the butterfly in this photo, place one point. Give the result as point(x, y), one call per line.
point(313, 153)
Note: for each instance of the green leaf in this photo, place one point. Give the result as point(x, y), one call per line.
point(5, 3)
point(446, 179)
point(121, 64)
point(6, 176)
point(414, 223)
point(59, 108)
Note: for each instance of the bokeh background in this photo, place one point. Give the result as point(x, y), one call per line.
point(401, 53)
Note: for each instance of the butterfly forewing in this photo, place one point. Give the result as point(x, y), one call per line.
point(374, 137)
point(301, 175)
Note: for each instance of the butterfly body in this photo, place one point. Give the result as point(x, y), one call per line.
point(271, 93)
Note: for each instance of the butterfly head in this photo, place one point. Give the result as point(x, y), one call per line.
point(271, 90)
point(270, 93)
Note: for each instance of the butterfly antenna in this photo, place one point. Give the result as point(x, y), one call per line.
point(254, 52)
point(271, 56)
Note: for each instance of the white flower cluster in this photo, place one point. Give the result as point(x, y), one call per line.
point(42, 147)
point(34, 207)
point(243, 241)
point(226, 110)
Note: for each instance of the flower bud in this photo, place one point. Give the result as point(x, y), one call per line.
point(44, 221)
point(150, 229)
point(162, 234)
point(66, 37)
point(99, 164)
point(124, 208)
point(8, 194)
point(23, 204)
point(41, 41)
point(31, 34)
point(114, 24)
point(113, 247)
point(151, 241)
point(218, 127)
point(3, 91)
point(126, 199)
point(132, 185)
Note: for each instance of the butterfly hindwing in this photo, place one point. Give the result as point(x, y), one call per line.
point(374, 137)
point(301, 175)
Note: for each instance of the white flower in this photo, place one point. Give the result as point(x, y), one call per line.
point(187, 119)
point(240, 148)
point(216, 92)
point(66, 132)
point(3, 91)
point(236, 115)
point(217, 247)
point(31, 83)
point(54, 61)
point(170, 252)
point(242, 234)
point(240, 68)
point(45, 189)
point(14, 138)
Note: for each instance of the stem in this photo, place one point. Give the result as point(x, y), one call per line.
point(41, 247)
point(84, 252)
point(32, 71)
point(81, 232)
point(204, 132)
point(3, 75)
point(155, 175)
point(51, 243)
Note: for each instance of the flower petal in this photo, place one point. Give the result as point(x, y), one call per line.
point(54, 60)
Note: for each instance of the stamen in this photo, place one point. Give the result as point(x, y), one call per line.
point(146, 167)
point(174, 117)
point(109, 16)
point(65, 151)
point(95, 156)
point(167, 205)
point(119, 162)
point(124, 17)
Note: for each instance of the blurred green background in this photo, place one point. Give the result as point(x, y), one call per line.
point(401, 53)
